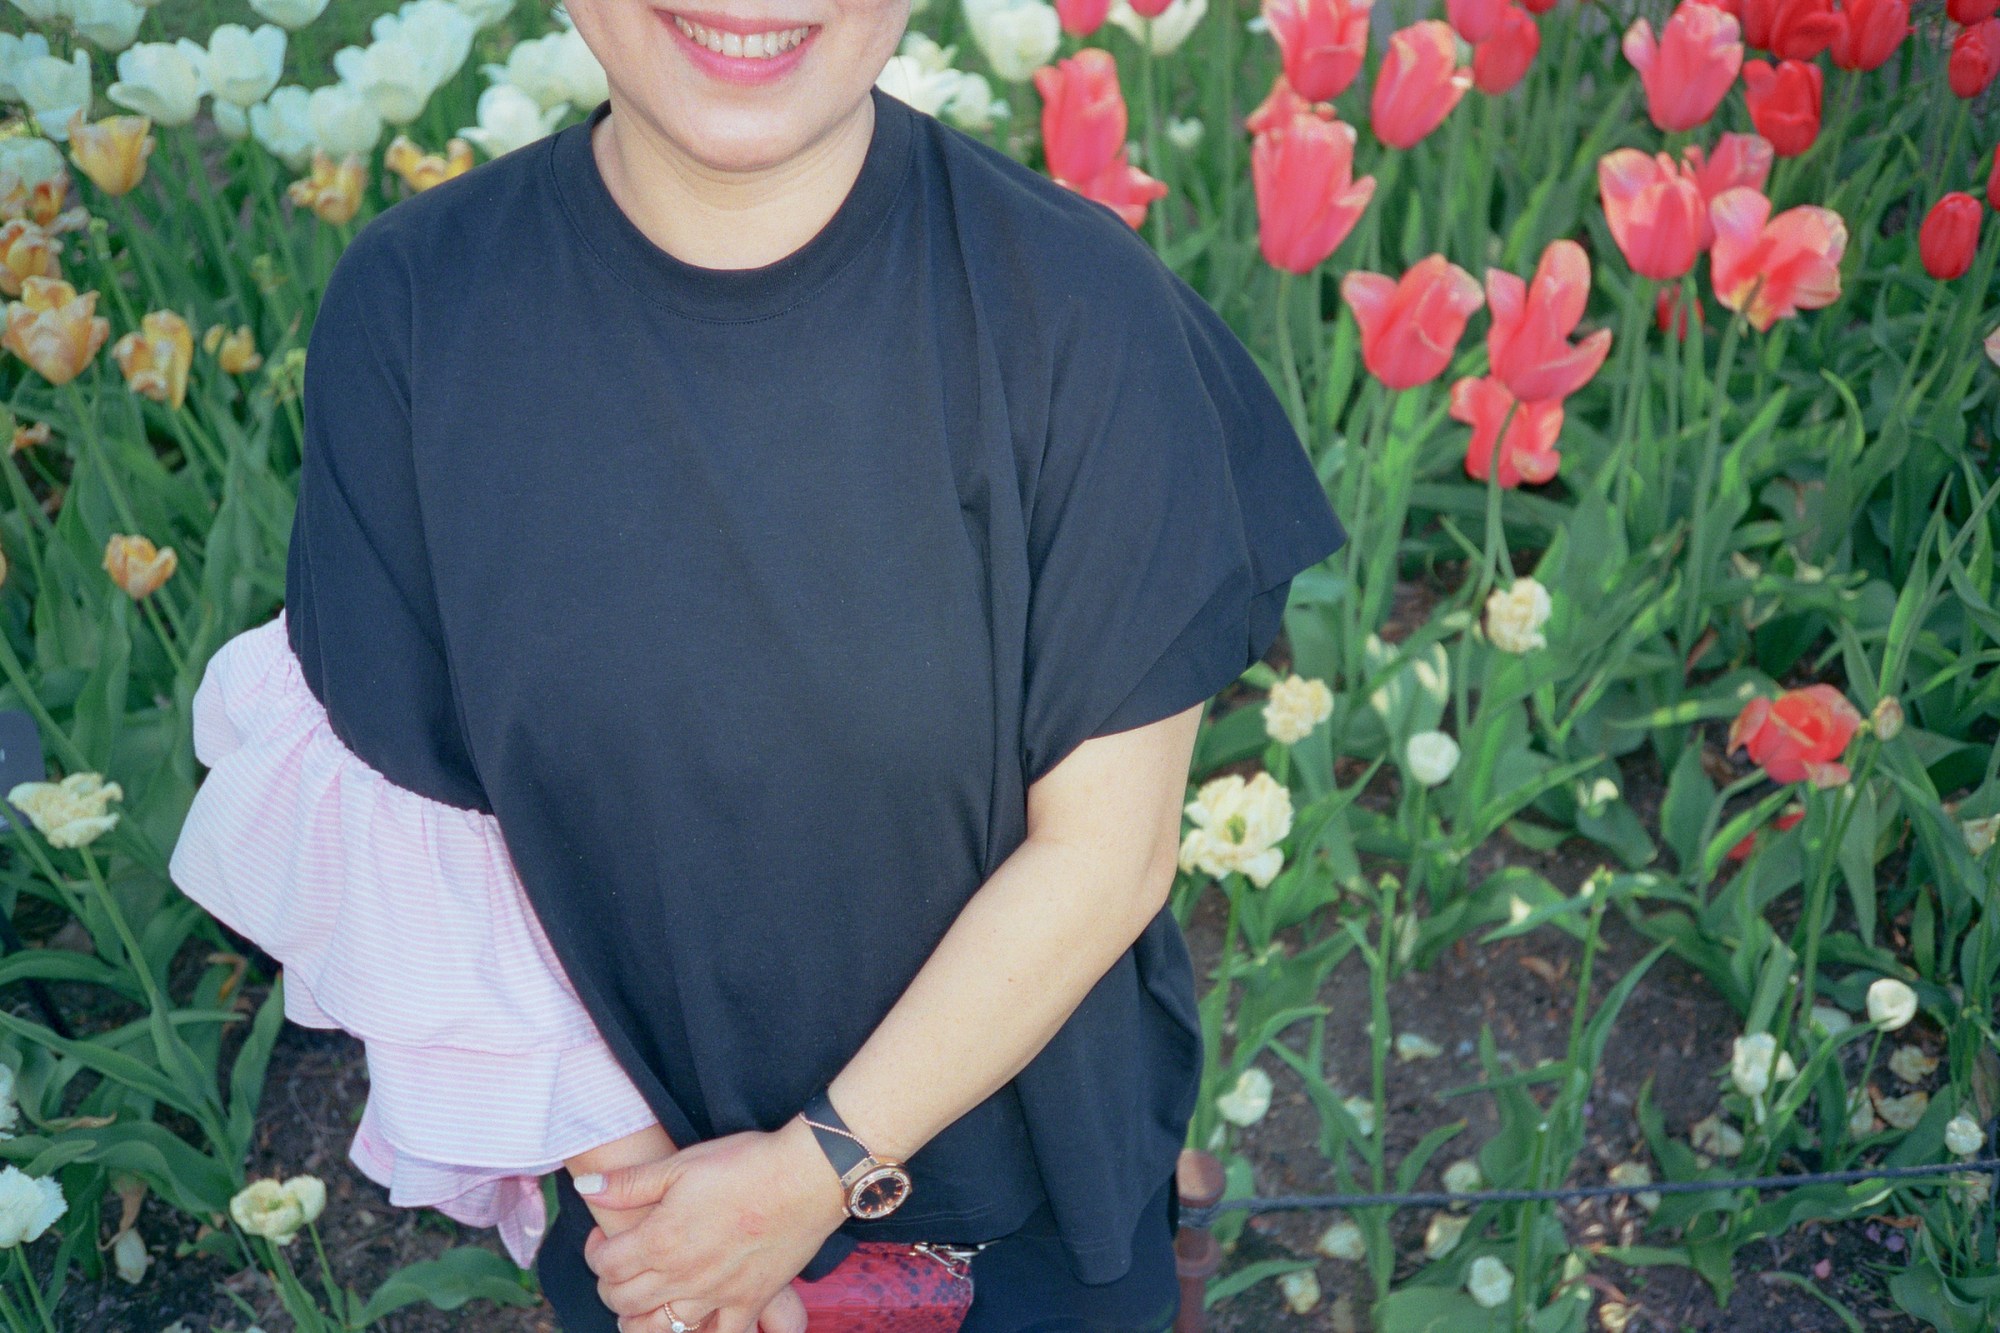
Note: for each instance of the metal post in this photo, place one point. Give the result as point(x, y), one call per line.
point(1198, 1178)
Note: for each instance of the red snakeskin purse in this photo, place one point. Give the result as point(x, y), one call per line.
point(887, 1286)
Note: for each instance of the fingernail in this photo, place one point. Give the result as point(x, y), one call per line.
point(591, 1182)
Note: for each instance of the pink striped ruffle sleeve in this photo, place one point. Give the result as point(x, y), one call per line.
point(399, 919)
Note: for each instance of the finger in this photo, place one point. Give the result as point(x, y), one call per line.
point(629, 1186)
point(733, 1319)
point(658, 1321)
point(784, 1313)
point(649, 1247)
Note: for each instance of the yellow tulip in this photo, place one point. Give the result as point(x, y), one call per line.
point(53, 328)
point(235, 352)
point(421, 170)
point(333, 191)
point(26, 251)
point(156, 358)
point(112, 151)
point(135, 566)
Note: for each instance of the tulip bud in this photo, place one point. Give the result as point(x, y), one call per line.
point(1342, 1240)
point(1246, 1103)
point(1300, 1290)
point(1949, 237)
point(1442, 1235)
point(1891, 1004)
point(1432, 757)
point(1963, 1135)
point(1489, 1281)
point(1887, 718)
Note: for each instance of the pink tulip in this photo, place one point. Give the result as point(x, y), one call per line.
point(1870, 32)
point(1475, 20)
point(1527, 449)
point(1307, 197)
point(1418, 85)
point(1528, 345)
point(1768, 267)
point(1503, 60)
point(1083, 114)
point(1655, 210)
point(1690, 69)
point(1149, 9)
point(1280, 105)
point(1411, 328)
point(1080, 18)
point(1321, 43)
point(1740, 159)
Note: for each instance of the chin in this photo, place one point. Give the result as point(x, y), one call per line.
point(740, 139)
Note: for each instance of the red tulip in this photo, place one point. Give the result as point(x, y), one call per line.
point(1784, 103)
point(1080, 18)
point(1788, 29)
point(1993, 180)
point(1949, 237)
point(1409, 329)
point(1083, 114)
point(1149, 9)
point(1538, 6)
point(1527, 451)
point(1502, 60)
point(1690, 68)
point(1788, 819)
point(1280, 105)
point(1670, 316)
point(1798, 736)
point(1528, 345)
point(1307, 197)
point(1975, 58)
point(1475, 20)
point(1418, 85)
point(1965, 13)
point(1740, 159)
point(1772, 267)
point(1321, 43)
point(1655, 210)
point(1870, 32)
point(1123, 188)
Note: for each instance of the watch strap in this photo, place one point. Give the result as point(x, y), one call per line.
point(838, 1142)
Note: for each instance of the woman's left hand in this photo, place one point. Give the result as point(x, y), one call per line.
point(733, 1220)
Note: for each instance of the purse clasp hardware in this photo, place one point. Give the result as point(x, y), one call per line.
point(957, 1259)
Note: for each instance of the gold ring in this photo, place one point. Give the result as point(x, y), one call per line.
point(678, 1325)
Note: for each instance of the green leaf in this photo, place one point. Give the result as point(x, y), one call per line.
point(466, 1273)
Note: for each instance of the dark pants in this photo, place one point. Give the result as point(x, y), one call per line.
point(1020, 1283)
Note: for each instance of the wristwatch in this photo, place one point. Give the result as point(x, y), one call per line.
point(875, 1186)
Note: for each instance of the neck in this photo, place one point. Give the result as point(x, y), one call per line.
point(728, 219)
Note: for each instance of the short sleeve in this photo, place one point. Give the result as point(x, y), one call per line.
point(1173, 506)
point(362, 610)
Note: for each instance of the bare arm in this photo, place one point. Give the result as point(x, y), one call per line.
point(644, 1145)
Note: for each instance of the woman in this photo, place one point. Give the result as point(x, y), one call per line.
point(760, 561)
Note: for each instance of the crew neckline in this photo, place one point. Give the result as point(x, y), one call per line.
point(732, 295)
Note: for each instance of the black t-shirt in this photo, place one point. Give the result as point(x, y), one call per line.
point(750, 602)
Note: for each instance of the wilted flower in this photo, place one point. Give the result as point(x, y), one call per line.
point(135, 566)
point(1490, 1282)
point(1891, 1004)
point(332, 191)
point(1636, 1173)
point(235, 352)
point(1301, 1290)
point(129, 1257)
point(1902, 1112)
point(1238, 826)
point(277, 1210)
point(1342, 1240)
point(1756, 1063)
point(155, 359)
point(1463, 1177)
point(1246, 1103)
point(1963, 1136)
point(1297, 705)
point(1861, 1120)
point(1715, 1136)
point(1442, 1235)
point(1514, 618)
point(29, 1205)
point(421, 170)
point(112, 151)
point(53, 328)
point(1362, 1112)
point(1980, 833)
point(1910, 1064)
point(70, 813)
point(1433, 756)
point(1411, 1046)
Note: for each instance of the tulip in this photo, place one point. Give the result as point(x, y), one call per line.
point(1527, 449)
point(1320, 42)
point(485, 13)
point(1163, 33)
point(393, 77)
point(1017, 37)
point(236, 352)
point(1297, 705)
point(1655, 211)
point(343, 122)
point(1788, 29)
point(158, 79)
point(1784, 103)
point(109, 24)
point(53, 329)
point(508, 119)
point(1949, 238)
point(72, 813)
point(1690, 68)
point(1870, 32)
point(1740, 159)
point(29, 158)
point(1433, 757)
point(1965, 13)
point(1490, 1282)
point(421, 170)
point(439, 34)
point(333, 190)
point(1409, 329)
point(112, 151)
point(1975, 58)
point(1418, 85)
point(292, 14)
point(155, 359)
point(1475, 20)
point(135, 566)
point(1238, 826)
point(1993, 180)
point(1778, 266)
point(1307, 197)
point(53, 89)
point(1083, 114)
point(903, 77)
point(1528, 345)
point(239, 66)
point(26, 251)
point(1799, 736)
point(1891, 1004)
point(1515, 616)
point(1277, 108)
point(1123, 188)
point(282, 122)
point(1150, 9)
point(1503, 60)
point(579, 69)
point(1963, 1136)
point(534, 65)
point(1670, 316)
point(1080, 18)
point(29, 1205)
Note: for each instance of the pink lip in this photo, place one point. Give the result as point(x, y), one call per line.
point(737, 69)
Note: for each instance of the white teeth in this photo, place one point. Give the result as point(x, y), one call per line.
point(756, 46)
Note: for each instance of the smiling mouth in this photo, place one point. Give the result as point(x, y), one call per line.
point(761, 45)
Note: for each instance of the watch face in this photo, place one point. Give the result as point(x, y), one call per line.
point(878, 1193)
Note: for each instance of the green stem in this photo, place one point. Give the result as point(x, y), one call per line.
point(134, 956)
point(1288, 362)
point(35, 1290)
point(1693, 617)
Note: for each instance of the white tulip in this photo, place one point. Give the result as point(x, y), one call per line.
point(508, 119)
point(926, 90)
point(158, 79)
point(1296, 706)
point(534, 66)
point(1246, 1103)
point(129, 1257)
point(1756, 1062)
point(926, 52)
point(437, 30)
point(1514, 618)
point(1185, 133)
point(974, 107)
point(1343, 1240)
point(232, 122)
point(1489, 1281)
point(29, 1205)
point(239, 65)
point(13, 50)
point(282, 122)
point(1165, 33)
point(1463, 1177)
point(1237, 827)
point(31, 158)
point(289, 14)
point(485, 13)
point(1017, 37)
point(343, 120)
point(110, 25)
point(1300, 1289)
point(1433, 757)
point(393, 76)
point(1963, 1135)
point(43, 11)
point(1891, 1004)
point(581, 72)
point(54, 90)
